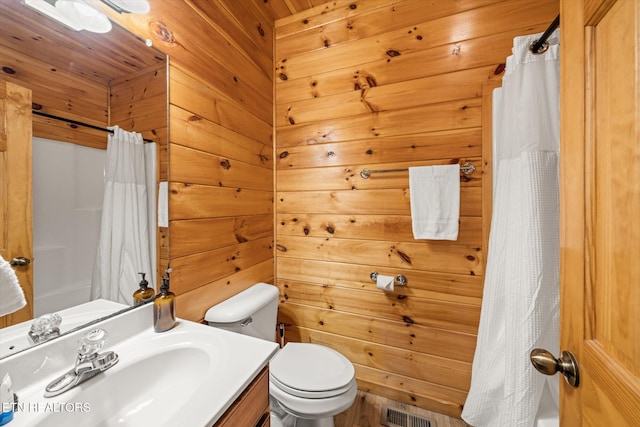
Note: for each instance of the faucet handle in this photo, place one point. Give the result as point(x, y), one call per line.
point(92, 342)
point(44, 328)
point(45, 323)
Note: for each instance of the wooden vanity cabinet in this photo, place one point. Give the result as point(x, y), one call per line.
point(251, 409)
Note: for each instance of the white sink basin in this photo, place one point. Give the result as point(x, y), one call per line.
point(187, 376)
point(14, 339)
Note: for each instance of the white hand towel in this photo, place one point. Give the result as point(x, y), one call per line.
point(11, 294)
point(435, 201)
point(163, 204)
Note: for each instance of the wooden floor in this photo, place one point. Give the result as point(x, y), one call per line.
point(365, 412)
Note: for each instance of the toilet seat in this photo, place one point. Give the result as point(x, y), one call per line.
point(311, 371)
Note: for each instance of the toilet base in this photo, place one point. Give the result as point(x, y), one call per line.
point(288, 420)
point(320, 422)
point(281, 418)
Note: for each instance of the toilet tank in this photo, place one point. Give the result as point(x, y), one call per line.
point(251, 312)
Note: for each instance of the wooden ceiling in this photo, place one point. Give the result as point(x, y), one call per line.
point(282, 8)
point(25, 32)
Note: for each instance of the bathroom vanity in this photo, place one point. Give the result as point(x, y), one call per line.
point(252, 407)
point(190, 375)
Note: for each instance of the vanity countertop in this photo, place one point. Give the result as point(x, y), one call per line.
point(189, 375)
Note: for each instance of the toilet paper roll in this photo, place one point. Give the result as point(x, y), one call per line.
point(385, 283)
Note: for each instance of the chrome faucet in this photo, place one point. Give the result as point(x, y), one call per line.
point(88, 363)
point(44, 328)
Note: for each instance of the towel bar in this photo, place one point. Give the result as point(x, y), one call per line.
point(468, 168)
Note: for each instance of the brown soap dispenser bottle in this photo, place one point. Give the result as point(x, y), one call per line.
point(164, 308)
point(144, 294)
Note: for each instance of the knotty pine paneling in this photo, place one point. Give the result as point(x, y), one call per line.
point(440, 88)
point(407, 388)
point(393, 201)
point(195, 96)
point(220, 263)
point(454, 258)
point(198, 235)
point(364, 20)
point(455, 56)
point(392, 333)
point(192, 130)
point(421, 366)
point(457, 114)
point(198, 167)
point(373, 227)
point(387, 85)
point(457, 143)
point(387, 43)
point(200, 47)
point(437, 314)
point(463, 288)
point(193, 304)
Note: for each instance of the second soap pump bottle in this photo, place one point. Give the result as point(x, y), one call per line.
point(144, 294)
point(164, 308)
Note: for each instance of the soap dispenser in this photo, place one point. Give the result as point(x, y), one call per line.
point(164, 308)
point(144, 294)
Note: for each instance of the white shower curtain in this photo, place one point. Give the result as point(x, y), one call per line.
point(124, 248)
point(520, 306)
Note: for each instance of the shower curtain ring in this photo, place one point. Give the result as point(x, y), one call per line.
point(542, 49)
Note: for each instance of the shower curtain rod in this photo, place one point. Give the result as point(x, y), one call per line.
point(75, 122)
point(535, 47)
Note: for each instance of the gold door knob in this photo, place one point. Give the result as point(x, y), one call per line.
point(566, 364)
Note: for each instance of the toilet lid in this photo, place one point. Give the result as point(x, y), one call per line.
point(311, 368)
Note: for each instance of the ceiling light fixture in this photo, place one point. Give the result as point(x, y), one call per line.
point(78, 15)
point(48, 9)
point(84, 16)
point(128, 6)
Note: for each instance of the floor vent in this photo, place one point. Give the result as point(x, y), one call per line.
point(392, 417)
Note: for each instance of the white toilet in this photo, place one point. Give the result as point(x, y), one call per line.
point(308, 383)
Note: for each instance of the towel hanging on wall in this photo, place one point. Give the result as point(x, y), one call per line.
point(10, 289)
point(435, 201)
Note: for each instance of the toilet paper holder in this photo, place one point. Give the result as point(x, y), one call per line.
point(399, 280)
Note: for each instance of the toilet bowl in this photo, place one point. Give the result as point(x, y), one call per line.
point(308, 383)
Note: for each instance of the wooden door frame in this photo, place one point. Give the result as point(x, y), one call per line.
point(572, 216)
point(16, 130)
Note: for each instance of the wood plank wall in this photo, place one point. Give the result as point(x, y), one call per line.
point(384, 84)
point(221, 150)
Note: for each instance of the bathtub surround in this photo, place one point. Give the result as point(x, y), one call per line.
point(520, 304)
point(67, 200)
